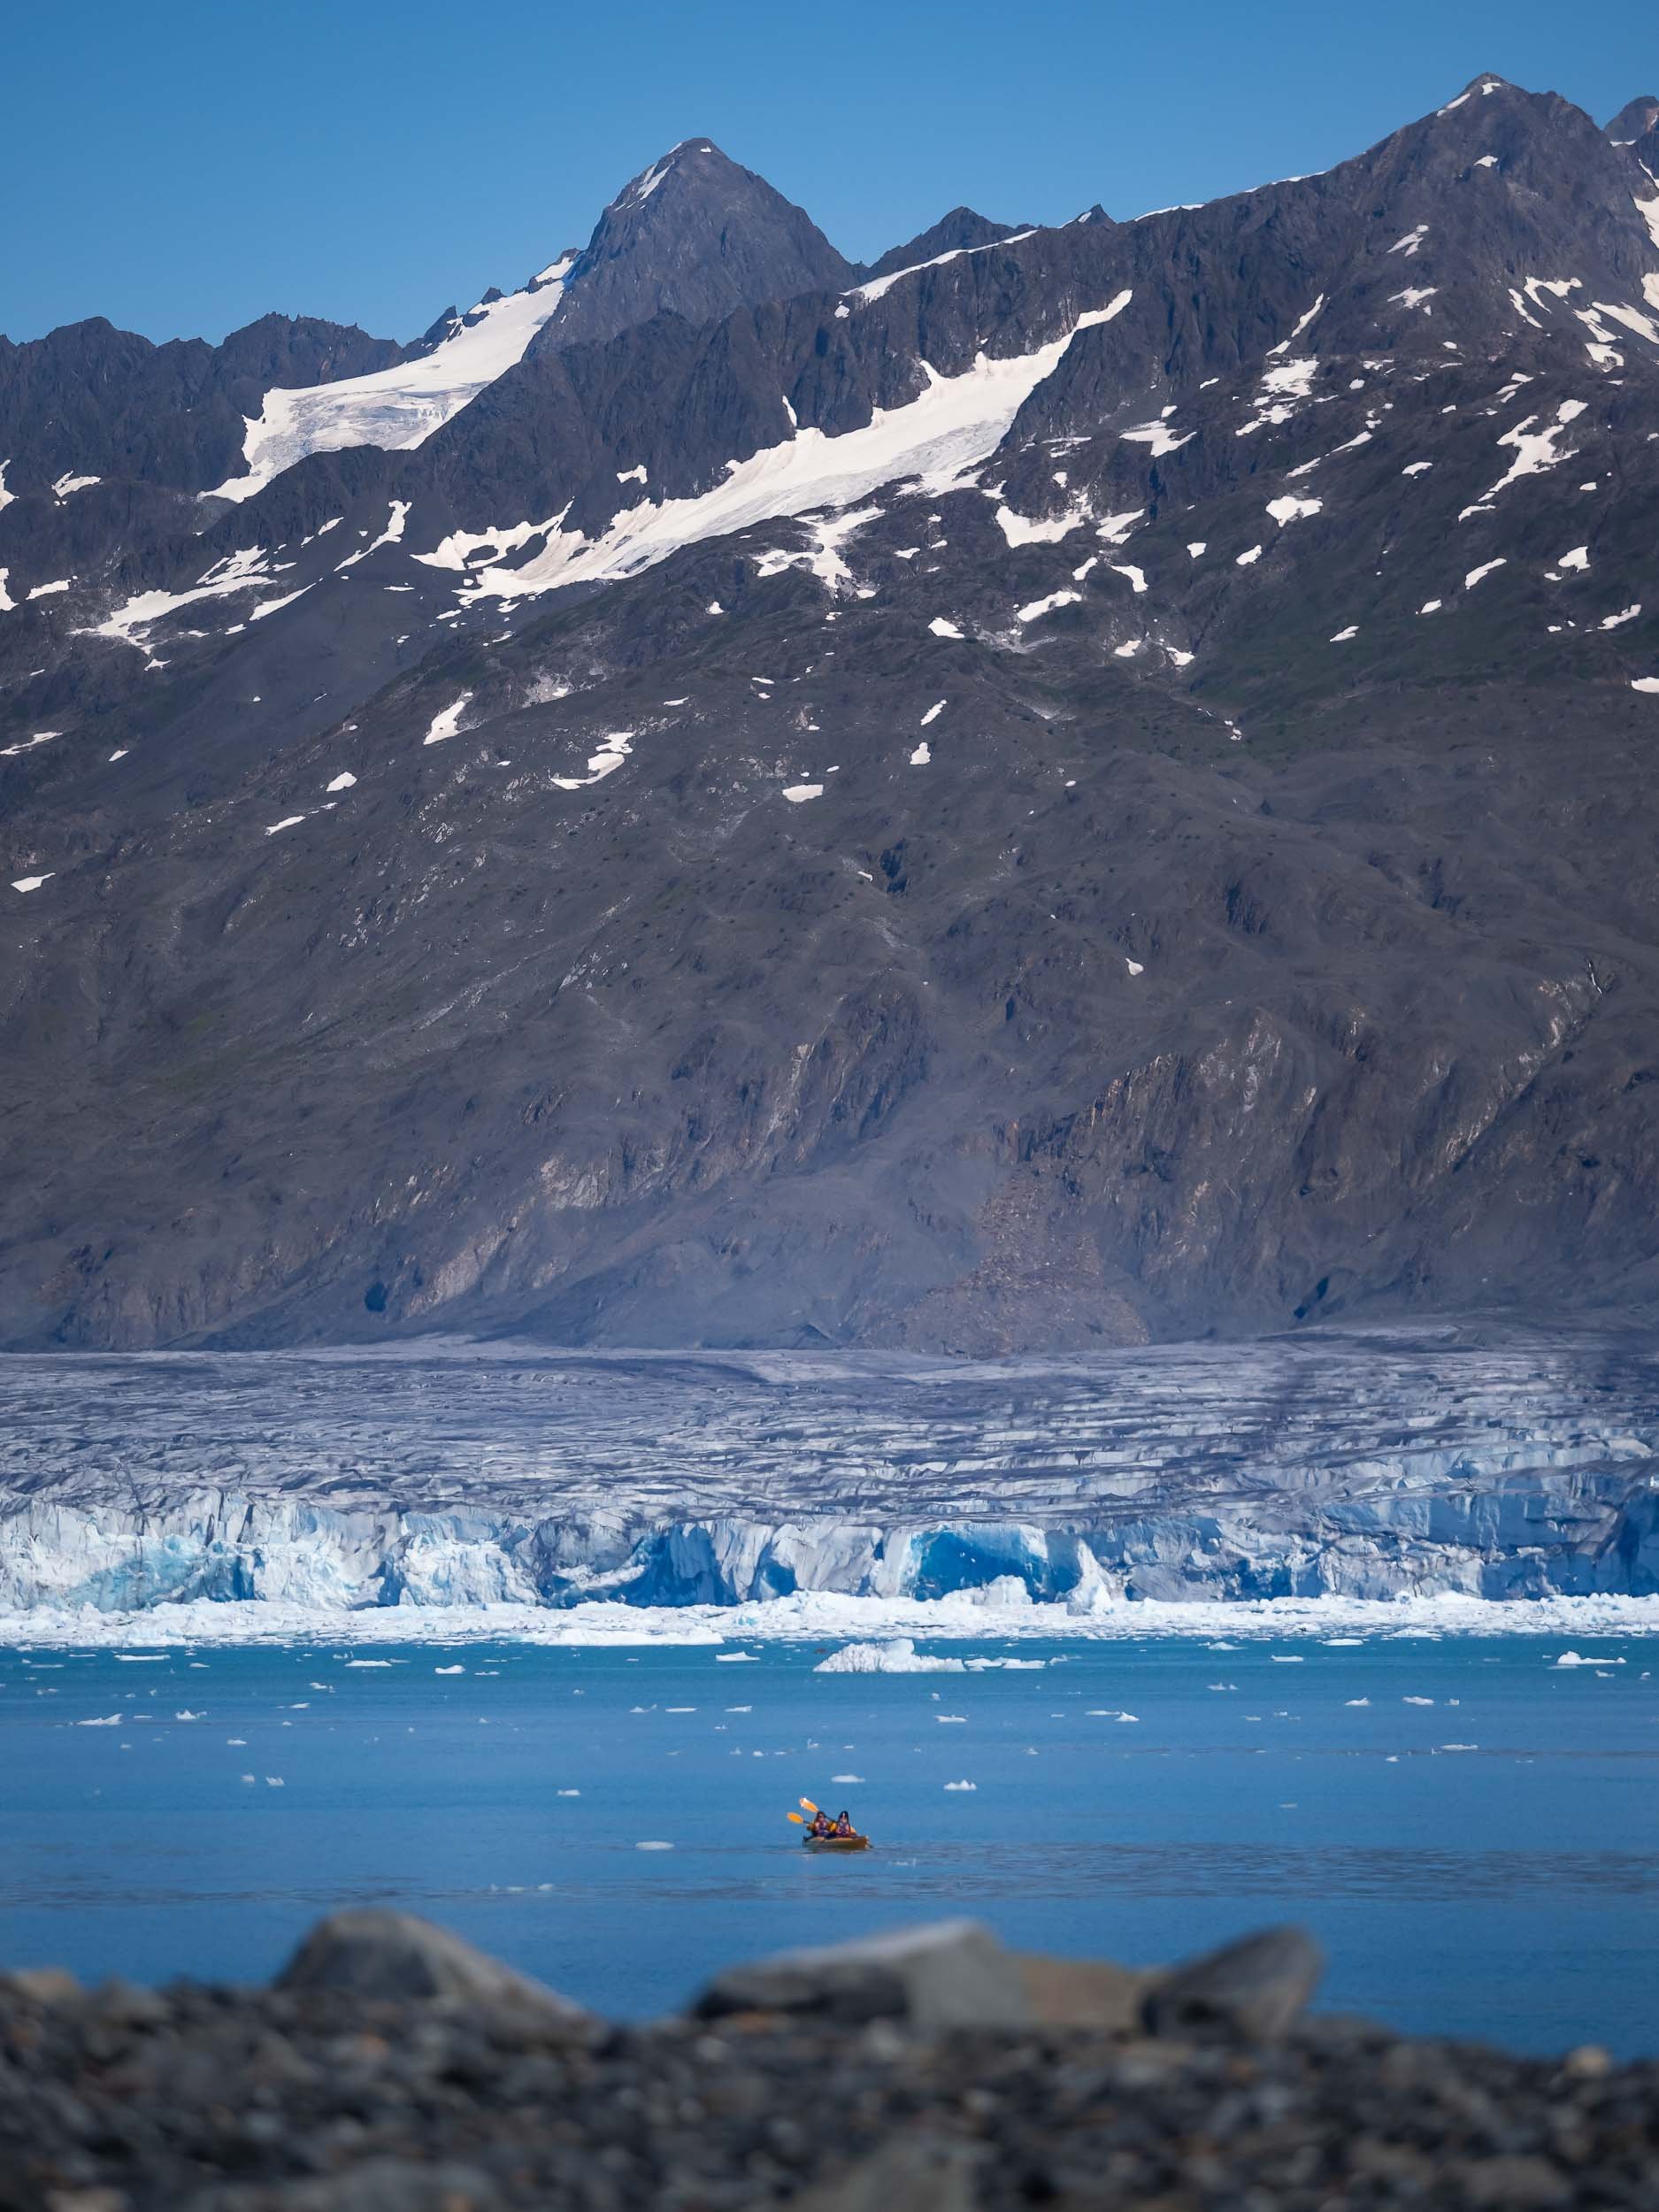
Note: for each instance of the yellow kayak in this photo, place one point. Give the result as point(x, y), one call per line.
point(836, 1843)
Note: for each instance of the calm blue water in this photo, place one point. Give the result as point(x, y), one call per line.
point(1508, 1891)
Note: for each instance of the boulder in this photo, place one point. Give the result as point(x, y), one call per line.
point(1253, 1990)
point(1082, 1993)
point(43, 1985)
point(374, 2185)
point(951, 1974)
point(908, 2173)
point(374, 1953)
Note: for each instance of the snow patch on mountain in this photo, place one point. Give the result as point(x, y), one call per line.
point(864, 294)
point(935, 440)
point(402, 406)
point(244, 570)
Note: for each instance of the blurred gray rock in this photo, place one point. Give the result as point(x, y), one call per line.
point(1082, 1993)
point(44, 1985)
point(952, 1974)
point(1254, 1989)
point(377, 1953)
point(911, 2173)
point(378, 2184)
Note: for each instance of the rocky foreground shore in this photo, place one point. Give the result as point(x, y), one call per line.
point(391, 2067)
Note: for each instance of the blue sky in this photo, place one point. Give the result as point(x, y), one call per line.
point(184, 165)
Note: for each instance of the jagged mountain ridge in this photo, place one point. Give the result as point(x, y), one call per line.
point(1218, 973)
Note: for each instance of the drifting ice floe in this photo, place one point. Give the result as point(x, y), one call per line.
point(899, 1657)
point(810, 1616)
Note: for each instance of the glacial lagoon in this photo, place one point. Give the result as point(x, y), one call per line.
point(1467, 1824)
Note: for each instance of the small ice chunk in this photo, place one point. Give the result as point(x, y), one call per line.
point(1245, 559)
point(941, 629)
point(1342, 636)
point(798, 794)
point(344, 781)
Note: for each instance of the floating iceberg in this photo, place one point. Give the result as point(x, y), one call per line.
point(898, 1657)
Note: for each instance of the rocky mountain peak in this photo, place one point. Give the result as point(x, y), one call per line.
point(961, 228)
point(1015, 804)
point(1638, 119)
point(695, 234)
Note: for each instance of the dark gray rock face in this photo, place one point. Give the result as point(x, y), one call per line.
point(90, 399)
point(1096, 791)
point(962, 230)
point(694, 236)
point(1636, 124)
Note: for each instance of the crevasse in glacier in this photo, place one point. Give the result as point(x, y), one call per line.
point(1366, 1466)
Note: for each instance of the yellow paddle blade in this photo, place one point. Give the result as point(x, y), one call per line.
point(796, 1818)
point(808, 1804)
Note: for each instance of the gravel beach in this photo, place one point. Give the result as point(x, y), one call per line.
point(391, 2069)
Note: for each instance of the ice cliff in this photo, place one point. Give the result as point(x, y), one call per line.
point(1495, 1464)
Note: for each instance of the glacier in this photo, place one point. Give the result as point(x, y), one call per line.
point(402, 406)
point(507, 1480)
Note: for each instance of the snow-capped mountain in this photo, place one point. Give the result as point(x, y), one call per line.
point(1070, 785)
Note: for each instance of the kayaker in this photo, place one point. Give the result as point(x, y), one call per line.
point(844, 1825)
point(820, 1825)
